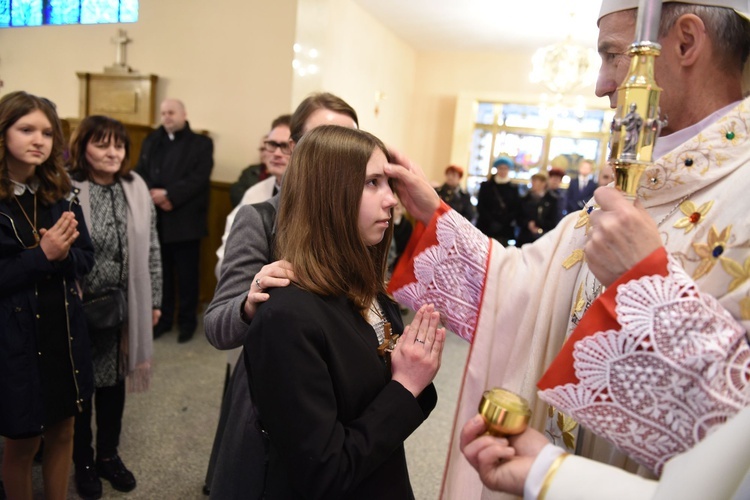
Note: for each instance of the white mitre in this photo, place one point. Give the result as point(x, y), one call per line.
point(741, 7)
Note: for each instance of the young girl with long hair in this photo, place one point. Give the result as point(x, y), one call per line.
point(336, 405)
point(45, 363)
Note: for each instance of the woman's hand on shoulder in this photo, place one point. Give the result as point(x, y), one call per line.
point(274, 275)
point(416, 359)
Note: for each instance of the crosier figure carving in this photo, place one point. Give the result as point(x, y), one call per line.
point(633, 124)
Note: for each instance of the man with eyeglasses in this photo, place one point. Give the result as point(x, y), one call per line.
point(277, 151)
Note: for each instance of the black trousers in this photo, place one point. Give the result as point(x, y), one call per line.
point(180, 269)
point(110, 403)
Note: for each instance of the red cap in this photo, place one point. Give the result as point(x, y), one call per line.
point(455, 168)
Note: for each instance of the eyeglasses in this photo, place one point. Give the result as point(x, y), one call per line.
point(271, 146)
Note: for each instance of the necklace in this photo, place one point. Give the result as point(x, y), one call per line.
point(382, 327)
point(674, 208)
point(378, 321)
point(33, 225)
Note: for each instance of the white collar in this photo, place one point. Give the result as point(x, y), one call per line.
point(19, 188)
point(667, 143)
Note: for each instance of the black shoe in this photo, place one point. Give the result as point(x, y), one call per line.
point(114, 471)
point(185, 334)
point(160, 329)
point(88, 484)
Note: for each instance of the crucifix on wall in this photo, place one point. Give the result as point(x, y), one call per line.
point(120, 65)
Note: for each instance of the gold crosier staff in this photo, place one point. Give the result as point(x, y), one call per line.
point(637, 123)
point(632, 145)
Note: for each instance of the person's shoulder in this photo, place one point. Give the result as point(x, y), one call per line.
point(198, 137)
point(293, 305)
point(136, 182)
point(134, 178)
point(247, 213)
point(303, 301)
point(155, 134)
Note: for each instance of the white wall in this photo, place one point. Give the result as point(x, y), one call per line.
point(233, 70)
point(228, 60)
point(444, 76)
point(359, 57)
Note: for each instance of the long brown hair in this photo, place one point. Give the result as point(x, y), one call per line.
point(318, 228)
point(312, 103)
point(97, 128)
point(54, 183)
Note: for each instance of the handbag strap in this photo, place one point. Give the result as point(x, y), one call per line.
point(121, 278)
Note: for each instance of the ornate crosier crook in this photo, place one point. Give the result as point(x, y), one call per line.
point(637, 123)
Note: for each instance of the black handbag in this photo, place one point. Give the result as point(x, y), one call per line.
point(105, 310)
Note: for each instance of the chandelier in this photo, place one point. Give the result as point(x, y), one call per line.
point(564, 66)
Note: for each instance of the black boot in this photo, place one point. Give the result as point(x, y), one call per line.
point(160, 329)
point(88, 484)
point(114, 471)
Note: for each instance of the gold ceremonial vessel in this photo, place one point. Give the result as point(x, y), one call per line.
point(637, 122)
point(505, 412)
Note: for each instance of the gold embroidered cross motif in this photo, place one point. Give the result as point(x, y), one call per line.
point(573, 259)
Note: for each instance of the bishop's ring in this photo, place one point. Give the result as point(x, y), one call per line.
point(257, 282)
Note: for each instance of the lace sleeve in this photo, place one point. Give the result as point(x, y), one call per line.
point(678, 367)
point(450, 272)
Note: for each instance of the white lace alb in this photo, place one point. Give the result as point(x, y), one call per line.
point(679, 366)
point(451, 274)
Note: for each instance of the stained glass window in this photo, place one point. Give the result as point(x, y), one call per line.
point(39, 12)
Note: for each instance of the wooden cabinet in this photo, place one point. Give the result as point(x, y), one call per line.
point(130, 97)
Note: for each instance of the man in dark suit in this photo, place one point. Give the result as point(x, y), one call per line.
point(176, 164)
point(582, 188)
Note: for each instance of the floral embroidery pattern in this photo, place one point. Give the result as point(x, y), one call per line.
point(562, 430)
point(693, 215)
point(739, 272)
point(710, 251)
point(451, 274)
point(702, 156)
point(730, 135)
point(678, 367)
